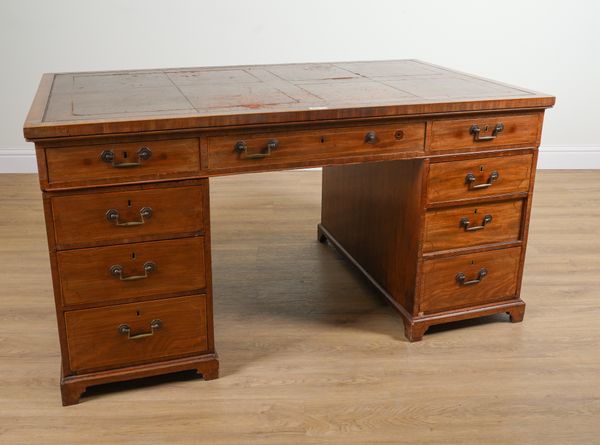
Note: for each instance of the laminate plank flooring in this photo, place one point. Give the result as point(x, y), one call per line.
point(309, 352)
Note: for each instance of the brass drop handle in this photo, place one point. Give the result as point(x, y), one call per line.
point(241, 147)
point(461, 279)
point(143, 154)
point(464, 222)
point(112, 215)
point(117, 271)
point(371, 137)
point(476, 132)
point(155, 325)
point(470, 181)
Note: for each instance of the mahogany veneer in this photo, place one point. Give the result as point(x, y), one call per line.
point(169, 159)
point(516, 130)
point(438, 224)
point(447, 180)
point(177, 265)
point(471, 225)
point(81, 220)
point(95, 344)
point(328, 143)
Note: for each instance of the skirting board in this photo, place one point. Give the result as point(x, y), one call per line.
point(22, 160)
point(17, 160)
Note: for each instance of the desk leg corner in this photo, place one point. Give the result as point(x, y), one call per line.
point(414, 331)
point(517, 313)
point(208, 369)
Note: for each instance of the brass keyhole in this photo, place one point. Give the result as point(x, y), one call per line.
point(322, 139)
point(129, 203)
point(125, 155)
point(132, 256)
point(481, 168)
point(475, 211)
point(138, 313)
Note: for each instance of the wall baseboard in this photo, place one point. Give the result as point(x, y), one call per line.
point(567, 157)
point(17, 160)
point(22, 160)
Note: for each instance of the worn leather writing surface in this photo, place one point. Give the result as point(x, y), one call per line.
point(163, 99)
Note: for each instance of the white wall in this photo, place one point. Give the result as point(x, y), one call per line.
point(550, 46)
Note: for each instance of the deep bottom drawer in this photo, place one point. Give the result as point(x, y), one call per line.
point(134, 333)
point(469, 280)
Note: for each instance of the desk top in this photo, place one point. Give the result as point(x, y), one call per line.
point(111, 102)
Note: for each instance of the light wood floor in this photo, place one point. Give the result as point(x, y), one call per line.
point(309, 352)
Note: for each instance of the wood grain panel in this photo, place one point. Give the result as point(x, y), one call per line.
point(441, 290)
point(373, 211)
point(453, 134)
point(85, 274)
point(171, 158)
point(327, 143)
point(81, 219)
point(95, 341)
point(447, 180)
point(444, 229)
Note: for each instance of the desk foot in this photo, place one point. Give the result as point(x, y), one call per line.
point(71, 392)
point(72, 387)
point(209, 370)
point(414, 332)
point(516, 314)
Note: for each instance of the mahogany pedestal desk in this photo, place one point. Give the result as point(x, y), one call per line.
point(427, 184)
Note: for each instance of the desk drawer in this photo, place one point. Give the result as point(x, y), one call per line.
point(472, 225)
point(126, 162)
point(469, 279)
point(107, 274)
point(485, 132)
point(244, 150)
point(475, 178)
point(125, 216)
point(114, 336)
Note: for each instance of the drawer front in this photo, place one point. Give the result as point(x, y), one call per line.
point(469, 279)
point(472, 225)
point(125, 216)
point(114, 336)
point(246, 150)
point(475, 178)
point(108, 274)
point(485, 132)
point(126, 162)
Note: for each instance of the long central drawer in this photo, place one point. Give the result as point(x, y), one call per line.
point(248, 149)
